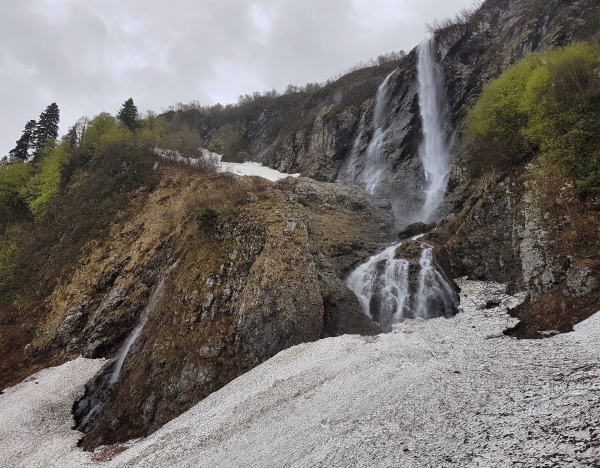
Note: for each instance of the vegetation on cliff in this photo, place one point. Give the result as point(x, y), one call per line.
point(53, 205)
point(547, 107)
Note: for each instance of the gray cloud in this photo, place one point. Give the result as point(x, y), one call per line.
point(91, 55)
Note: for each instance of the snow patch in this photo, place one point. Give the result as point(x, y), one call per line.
point(431, 393)
point(210, 159)
point(36, 420)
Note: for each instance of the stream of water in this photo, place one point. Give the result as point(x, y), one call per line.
point(433, 151)
point(375, 165)
point(133, 336)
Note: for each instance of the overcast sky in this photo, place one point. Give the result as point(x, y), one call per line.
point(89, 56)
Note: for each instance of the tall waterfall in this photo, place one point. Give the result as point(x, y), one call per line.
point(375, 165)
point(433, 151)
point(404, 281)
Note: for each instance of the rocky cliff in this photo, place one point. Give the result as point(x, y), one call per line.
point(513, 226)
point(258, 270)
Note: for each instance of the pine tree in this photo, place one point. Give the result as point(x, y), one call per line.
point(21, 150)
point(128, 114)
point(46, 128)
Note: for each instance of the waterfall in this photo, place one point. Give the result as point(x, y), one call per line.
point(433, 151)
point(348, 172)
point(391, 289)
point(375, 165)
point(381, 286)
point(404, 280)
point(133, 336)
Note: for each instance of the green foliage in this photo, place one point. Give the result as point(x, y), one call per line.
point(7, 262)
point(25, 143)
point(128, 114)
point(547, 106)
point(46, 129)
point(44, 185)
point(104, 131)
point(208, 220)
point(13, 181)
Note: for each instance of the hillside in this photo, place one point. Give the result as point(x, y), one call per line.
point(184, 277)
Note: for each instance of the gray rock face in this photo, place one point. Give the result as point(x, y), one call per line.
point(580, 282)
point(415, 229)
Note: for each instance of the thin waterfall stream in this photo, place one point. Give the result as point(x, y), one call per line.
point(404, 280)
point(134, 335)
point(94, 401)
point(375, 164)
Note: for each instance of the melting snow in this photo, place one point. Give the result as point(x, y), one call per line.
point(441, 392)
point(241, 169)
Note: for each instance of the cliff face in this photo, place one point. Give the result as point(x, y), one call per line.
point(269, 277)
point(522, 226)
point(517, 226)
point(258, 270)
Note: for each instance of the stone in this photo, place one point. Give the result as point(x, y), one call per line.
point(415, 229)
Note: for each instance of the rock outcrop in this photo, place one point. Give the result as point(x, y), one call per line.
point(258, 270)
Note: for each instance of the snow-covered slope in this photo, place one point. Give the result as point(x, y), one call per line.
point(432, 393)
point(443, 392)
point(35, 417)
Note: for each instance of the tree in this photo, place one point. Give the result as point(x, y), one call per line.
point(46, 128)
point(24, 144)
point(75, 134)
point(128, 114)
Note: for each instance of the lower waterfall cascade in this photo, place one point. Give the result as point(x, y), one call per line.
point(391, 289)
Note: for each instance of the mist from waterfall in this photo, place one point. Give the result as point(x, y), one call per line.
point(433, 151)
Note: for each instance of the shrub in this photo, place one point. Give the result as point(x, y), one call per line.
point(547, 106)
point(44, 185)
point(208, 220)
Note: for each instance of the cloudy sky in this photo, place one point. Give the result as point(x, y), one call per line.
point(91, 55)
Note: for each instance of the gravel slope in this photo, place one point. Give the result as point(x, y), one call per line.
point(432, 393)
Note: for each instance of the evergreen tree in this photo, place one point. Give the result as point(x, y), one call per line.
point(128, 114)
point(24, 144)
point(46, 128)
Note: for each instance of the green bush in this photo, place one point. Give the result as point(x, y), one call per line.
point(45, 184)
point(13, 180)
point(208, 221)
point(547, 106)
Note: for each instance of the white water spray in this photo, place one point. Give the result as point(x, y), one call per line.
point(392, 289)
point(131, 339)
point(375, 165)
point(433, 151)
point(381, 286)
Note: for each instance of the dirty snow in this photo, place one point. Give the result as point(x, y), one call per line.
point(214, 159)
point(436, 393)
point(440, 393)
point(35, 417)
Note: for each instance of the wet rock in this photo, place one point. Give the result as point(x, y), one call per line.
point(415, 229)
